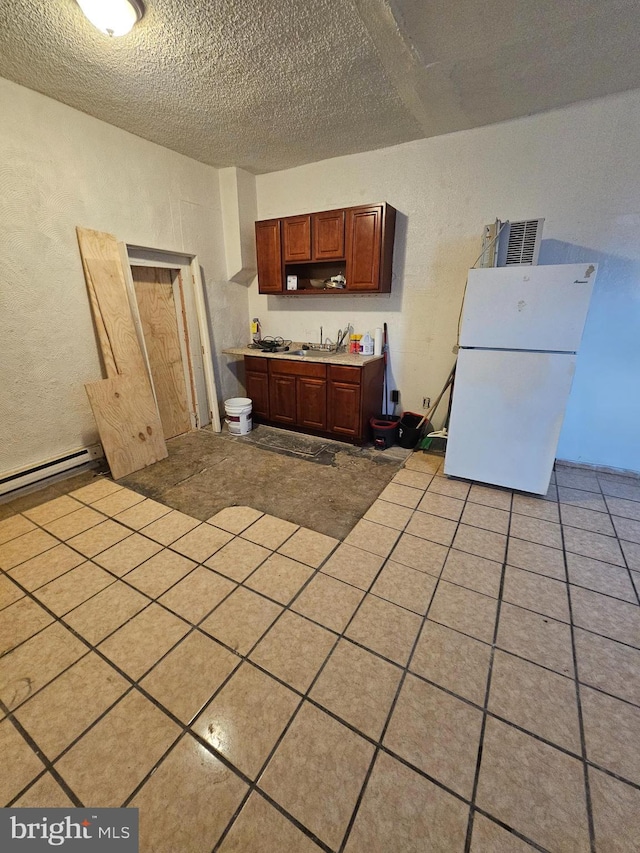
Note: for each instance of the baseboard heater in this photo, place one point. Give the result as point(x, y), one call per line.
point(19, 478)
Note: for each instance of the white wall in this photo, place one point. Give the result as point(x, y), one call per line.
point(60, 168)
point(578, 167)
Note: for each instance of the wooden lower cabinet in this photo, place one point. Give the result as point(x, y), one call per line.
point(344, 409)
point(282, 399)
point(311, 403)
point(257, 385)
point(329, 399)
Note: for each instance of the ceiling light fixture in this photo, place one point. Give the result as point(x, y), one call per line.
point(113, 17)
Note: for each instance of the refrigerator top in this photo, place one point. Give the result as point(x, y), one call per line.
point(541, 308)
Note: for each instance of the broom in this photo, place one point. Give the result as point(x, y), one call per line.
point(425, 443)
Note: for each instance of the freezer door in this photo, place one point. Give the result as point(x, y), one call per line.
point(531, 308)
point(506, 417)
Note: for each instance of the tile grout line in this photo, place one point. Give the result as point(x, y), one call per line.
point(305, 696)
point(122, 578)
point(168, 547)
point(490, 714)
point(243, 659)
point(379, 745)
point(483, 727)
point(50, 763)
point(624, 556)
point(94, 647)
point(583, 746)
point(392, 708)
point(133, 684)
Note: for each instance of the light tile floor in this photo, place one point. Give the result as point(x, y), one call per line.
point(462, 674)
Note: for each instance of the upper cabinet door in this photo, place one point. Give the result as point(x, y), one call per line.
point(269, 254)
point(328, 235)
point(364, 232)
point(296, 238)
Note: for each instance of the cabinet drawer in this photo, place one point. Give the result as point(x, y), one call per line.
point(256, 364)
point(352, 375)
point(297, 368)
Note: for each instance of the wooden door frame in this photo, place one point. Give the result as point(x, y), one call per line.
point(189, 271)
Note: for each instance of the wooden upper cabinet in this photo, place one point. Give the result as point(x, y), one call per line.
point(354, 241)
point(296, 239)
point(269, 256)
point(364, 230)
point(328, 235)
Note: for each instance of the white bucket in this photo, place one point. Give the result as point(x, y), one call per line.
point(238, 418)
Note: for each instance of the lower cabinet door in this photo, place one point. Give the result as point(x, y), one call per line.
point(282, 398)
point(258, 391)
point(344, 409)
point(312, 403)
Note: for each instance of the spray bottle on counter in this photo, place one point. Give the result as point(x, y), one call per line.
point(256, 331)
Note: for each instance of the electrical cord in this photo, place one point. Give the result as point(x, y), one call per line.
point(269, 344)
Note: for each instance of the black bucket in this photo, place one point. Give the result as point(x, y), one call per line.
point(410, 428)
point(385, 430)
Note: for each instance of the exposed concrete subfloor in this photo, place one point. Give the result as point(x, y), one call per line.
point(314, 482)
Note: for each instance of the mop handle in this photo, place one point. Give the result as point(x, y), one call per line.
point(441, 395)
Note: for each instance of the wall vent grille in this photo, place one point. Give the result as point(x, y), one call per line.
point(524, 242)
point(511, 243)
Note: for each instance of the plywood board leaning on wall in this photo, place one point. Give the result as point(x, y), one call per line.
point(90, 243)
point(123, 405)
point(128, 423)
point(154, 293)
point(109, 302)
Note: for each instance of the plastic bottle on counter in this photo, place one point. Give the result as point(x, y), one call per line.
point(354, 344)
point(256, 332)
point(367, 345)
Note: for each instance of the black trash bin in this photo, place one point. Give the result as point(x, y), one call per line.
point(410, 428)
point(385, 430)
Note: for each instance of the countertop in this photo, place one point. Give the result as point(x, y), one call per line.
point(344, 358)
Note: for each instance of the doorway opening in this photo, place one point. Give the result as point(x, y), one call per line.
point(166, 297)
point(160, 300)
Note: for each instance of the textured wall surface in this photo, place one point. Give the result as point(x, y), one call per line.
point(579, 167)
point(60, 168)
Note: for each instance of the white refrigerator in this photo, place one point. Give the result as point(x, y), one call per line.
point(520, 331)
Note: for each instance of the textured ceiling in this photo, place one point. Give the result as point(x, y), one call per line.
point(269, 84)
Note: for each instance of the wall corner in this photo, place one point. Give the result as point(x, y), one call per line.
point(239, 211)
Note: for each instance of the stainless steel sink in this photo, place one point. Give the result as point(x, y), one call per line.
point(310, 352)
